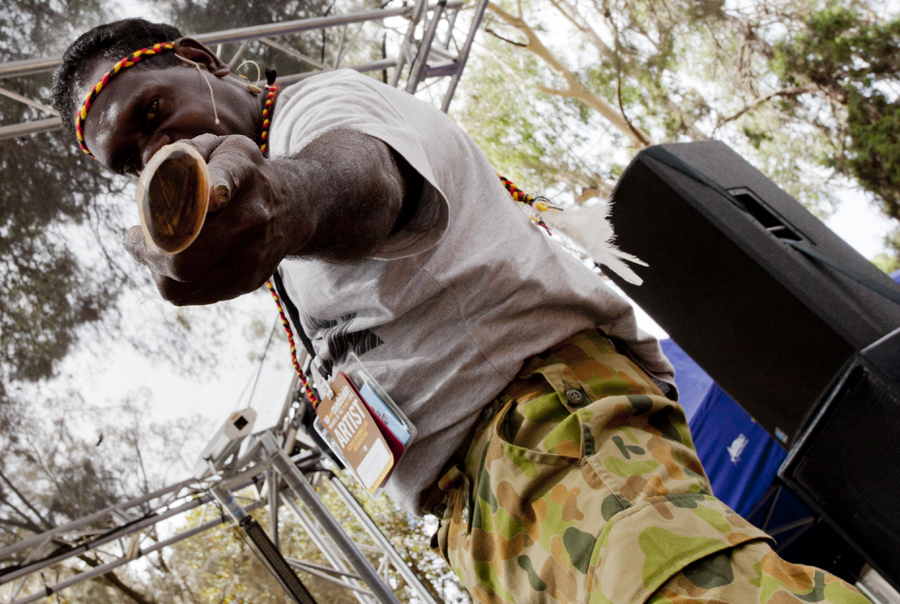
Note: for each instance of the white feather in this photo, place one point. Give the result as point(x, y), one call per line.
point(589, 228)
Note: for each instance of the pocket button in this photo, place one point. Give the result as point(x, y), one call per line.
point(575, 397)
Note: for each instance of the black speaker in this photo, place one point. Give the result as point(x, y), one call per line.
point(727, 280)
point(846, 463)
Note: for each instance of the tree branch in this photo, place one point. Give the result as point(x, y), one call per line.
point(786, 92)
point(622, 111)
point(577, 89)
point(507, 40)
point(25, 500)
point(28, 526)
point(113, 580)
point(571, 12)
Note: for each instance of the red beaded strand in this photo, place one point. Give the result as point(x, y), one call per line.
point(290, 334)
point(264, 147)
point(267, 110)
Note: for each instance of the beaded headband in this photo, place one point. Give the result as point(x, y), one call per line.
point(128, 61)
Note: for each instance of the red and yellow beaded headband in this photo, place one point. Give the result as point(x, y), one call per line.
point(128, 61)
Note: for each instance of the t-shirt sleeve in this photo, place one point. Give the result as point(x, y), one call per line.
point(346, 99)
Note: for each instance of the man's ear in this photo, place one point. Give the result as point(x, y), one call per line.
point(193, 50)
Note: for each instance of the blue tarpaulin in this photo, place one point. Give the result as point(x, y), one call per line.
point(740, 458)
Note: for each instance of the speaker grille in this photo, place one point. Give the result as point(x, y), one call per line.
point(847, 466)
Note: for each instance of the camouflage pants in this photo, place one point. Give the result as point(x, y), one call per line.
point(581, 484)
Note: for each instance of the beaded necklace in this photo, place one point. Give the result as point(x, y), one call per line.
point(268, 109)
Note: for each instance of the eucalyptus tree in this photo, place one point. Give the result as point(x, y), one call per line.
point(565, 92)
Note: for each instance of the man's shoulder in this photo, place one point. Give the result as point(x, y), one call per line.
point(332, 81)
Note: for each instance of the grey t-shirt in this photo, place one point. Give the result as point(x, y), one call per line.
point(446, 313)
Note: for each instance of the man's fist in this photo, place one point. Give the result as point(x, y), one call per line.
point(246, 233)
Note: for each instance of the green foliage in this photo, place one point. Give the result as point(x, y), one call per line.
point(874, 146)
point(853, 60)
point(677, 71)
point(535, 139)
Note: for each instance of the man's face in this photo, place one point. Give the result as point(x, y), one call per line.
point(141, 110)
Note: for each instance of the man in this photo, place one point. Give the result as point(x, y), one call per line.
point(546, 441)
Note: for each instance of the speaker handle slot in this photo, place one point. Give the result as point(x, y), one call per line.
point(764, 215)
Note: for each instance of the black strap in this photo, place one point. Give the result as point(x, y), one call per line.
point(293, 314)
point(875, 286)
point(660, 154)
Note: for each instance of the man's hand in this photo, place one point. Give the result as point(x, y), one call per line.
point(248, 232)
point(338, 199)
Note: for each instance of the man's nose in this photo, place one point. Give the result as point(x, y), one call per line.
point(153, 145)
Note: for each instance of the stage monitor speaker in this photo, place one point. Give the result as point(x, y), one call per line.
point(771, 325)
point(845, 463)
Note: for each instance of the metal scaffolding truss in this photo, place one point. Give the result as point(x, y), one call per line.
point(264, 476)
point(429, 41)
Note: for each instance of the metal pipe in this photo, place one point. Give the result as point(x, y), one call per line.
point(34, 127)
point(294, 53)
point(24, 99)
point(340, 50)
point(237, 55)
point(32, 66)
point(28, 67)
point(119, 532)
point(274, 500)
point(323, 569)
point(463, 57)
point(11, 549)
point(313, 529)
point(402, 58)
point(363, 68)
point(378, 537)
point(302, 489)
point(299, 25)
point(105, 568)
point(418, 69)
point(306, 567)
point(112, 536)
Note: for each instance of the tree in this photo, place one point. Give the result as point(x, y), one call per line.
point(57, 468)
point(576, 88)
point(48, 187)
point(848, 56)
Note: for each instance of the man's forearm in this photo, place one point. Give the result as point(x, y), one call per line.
point(346, 192)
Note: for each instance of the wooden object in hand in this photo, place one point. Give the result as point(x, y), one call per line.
point(173, 198)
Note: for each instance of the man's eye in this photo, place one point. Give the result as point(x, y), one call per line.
point(129, 166)
point(151, 111)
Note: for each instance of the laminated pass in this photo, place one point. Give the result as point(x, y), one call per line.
point(358, 428)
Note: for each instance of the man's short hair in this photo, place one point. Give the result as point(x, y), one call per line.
point(111, 41)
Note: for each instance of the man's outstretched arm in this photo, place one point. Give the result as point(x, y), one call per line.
point(338, 199)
